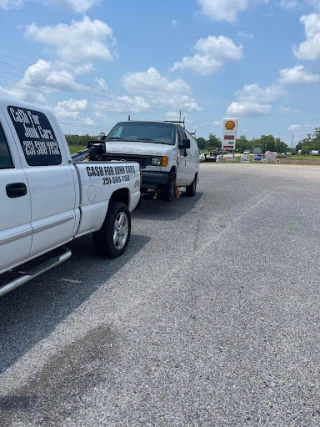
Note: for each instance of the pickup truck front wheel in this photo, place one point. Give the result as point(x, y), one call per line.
point(113, 237)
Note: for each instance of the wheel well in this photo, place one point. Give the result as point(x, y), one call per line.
point(173, 169)
point(121, 195)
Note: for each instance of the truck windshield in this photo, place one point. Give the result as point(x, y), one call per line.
point(148, 132)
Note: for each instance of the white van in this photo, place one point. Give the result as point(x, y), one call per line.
point(167, 153)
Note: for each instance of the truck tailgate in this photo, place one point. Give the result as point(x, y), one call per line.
point(98, 181)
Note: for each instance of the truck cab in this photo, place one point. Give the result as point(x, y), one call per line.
point(47, 199)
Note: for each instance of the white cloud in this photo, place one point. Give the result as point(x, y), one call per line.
point(151, 80)
point(22, 92)
point(54, 76)
point(252, 100)
point(70, 109)
point(288, 110)
point(226, 10)
point(174, 23)
point(10, 4)
point(248, 109)
point(123, 104)
point(203, 65)
point(298, 75)
point(102, 83)
point(218, 123)
point(172, 94)
point(294, 128)
point(301, 131)
point(80, 41)
point(173, 115)
point(46, 77)
point(289, 4)
point(309, 49)
point(315, 4)
point(245, 35)
point(284, 110)
point(88, 121)
point(80, 6)
point(211, 54)
point(254, 93)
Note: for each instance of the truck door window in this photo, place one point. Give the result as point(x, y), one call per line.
point(36, 136)
point(5, 158)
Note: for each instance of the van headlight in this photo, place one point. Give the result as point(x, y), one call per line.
point(160, 161)
point(156, 161)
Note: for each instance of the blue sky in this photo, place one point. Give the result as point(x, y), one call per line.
point(94, 62)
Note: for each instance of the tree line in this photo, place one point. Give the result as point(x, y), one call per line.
point(311, 142)
point(81, 140)
point(264, 143)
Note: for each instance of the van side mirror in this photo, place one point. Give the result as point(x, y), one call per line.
point(185, 143)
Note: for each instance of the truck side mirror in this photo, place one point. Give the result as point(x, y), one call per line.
point(185, 143)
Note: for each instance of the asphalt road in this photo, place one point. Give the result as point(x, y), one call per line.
point(211, 317)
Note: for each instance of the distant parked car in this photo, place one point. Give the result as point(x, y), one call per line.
point(213, 155)
point(202, 158)
point(247, 152)
point(314, 152)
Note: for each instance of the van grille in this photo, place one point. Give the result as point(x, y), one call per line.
point(142, 160)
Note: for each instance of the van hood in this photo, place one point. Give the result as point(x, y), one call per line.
point(142, 148)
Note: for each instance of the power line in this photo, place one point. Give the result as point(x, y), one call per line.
point(79, 87)
point(77, 124)
point(114, 97)
point(82, 89)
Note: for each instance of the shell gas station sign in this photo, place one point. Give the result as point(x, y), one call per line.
point(230, 128)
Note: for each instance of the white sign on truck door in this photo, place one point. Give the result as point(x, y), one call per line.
point(230, 129)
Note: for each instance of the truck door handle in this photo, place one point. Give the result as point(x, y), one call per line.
point(16, 189)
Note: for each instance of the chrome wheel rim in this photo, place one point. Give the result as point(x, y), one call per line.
point(120, 230)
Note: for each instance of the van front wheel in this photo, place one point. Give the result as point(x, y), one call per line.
point(191, 189)
point(170, 188)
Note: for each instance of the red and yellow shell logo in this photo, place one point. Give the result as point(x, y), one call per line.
point(230, 125)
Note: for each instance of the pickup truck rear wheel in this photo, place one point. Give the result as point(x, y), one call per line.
point(113, 237)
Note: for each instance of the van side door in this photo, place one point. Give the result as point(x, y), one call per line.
point(50, 178)
point(15, 204)
point(182, 175)
point(192, 157)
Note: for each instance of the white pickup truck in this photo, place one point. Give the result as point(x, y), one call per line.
point(47, 198)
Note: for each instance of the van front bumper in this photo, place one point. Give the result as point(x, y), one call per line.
point(153, 179)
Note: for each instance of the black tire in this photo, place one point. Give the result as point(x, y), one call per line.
point(191, 189)
point(169, 190)
point(113, 237)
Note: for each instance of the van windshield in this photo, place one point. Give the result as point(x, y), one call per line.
point(148, 132)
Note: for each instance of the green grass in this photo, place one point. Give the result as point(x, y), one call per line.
point(74, 148)
point(303, 157)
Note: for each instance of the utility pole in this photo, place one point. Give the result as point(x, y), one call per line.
point(292, 142)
